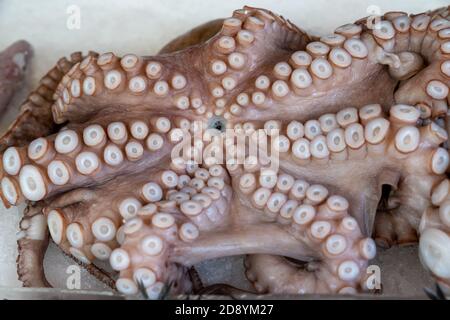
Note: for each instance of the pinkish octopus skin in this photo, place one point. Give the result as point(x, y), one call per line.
point(13, 63)
point(349, 116)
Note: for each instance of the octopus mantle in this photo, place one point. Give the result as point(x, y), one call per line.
point(244, 137)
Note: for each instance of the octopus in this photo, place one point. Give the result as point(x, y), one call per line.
point(13, 63)
point(245, 136)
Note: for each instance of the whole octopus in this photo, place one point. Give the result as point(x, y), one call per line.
point(149, 163)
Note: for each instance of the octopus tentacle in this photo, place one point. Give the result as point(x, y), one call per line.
point(435, 235)
point(82, 156)
point(32, 243)
point(433, 96)
point(35, 118)
point(138, 80)
point(32, 246)
point(317, 68)
point(235, 51)
point(130, 80)
point(416, 48)
point(343, 253)
point(100, 231)
point(143, 256)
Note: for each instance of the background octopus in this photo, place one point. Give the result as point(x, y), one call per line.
point(13, 64)
point(358, 119)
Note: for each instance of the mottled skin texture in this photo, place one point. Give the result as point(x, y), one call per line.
point(355, 113)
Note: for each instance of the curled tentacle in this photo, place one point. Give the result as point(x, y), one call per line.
point(32, 243)
point(339, 266)
point(416, 49)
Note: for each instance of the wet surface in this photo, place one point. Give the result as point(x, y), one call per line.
point(401, 271)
